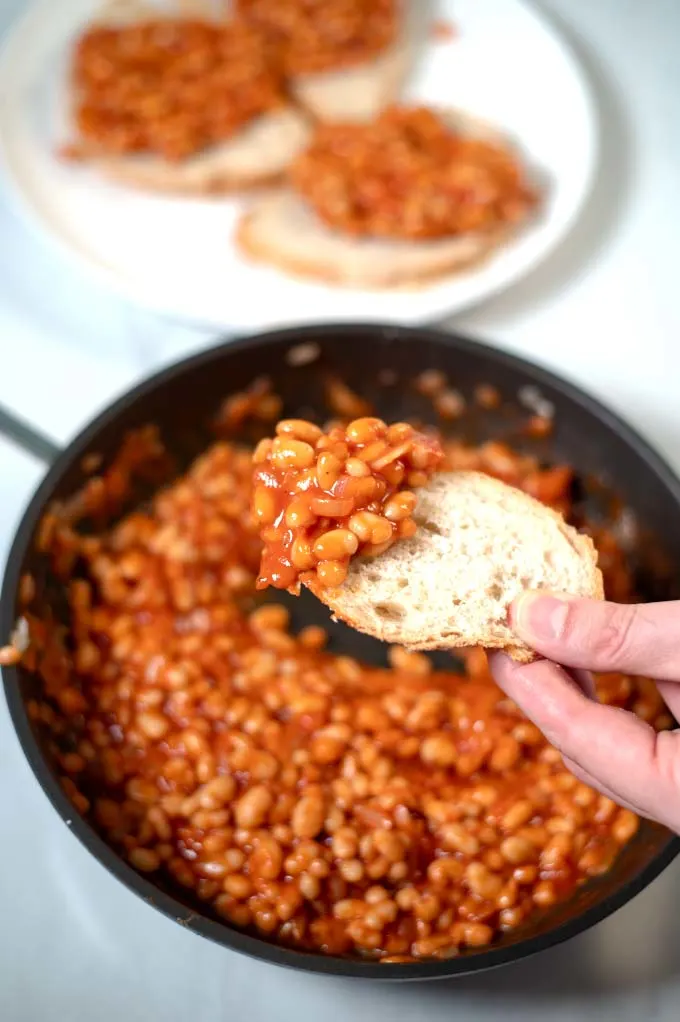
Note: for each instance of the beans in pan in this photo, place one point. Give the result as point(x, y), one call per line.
point(397, 813)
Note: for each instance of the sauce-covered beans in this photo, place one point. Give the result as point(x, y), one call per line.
point(320, 498)
point(313, 37)
point(392, 812)
point(410, 175)
point(171, 87)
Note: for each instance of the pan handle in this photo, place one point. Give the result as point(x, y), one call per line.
point(27, 438)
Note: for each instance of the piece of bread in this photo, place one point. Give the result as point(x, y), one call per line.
point(257, 155)
point(359, 93)
point(284, 231)
point(479, 544)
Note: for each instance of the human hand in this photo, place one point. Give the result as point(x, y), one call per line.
point(606, 747)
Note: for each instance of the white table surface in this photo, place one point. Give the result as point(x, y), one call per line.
point(76, 946)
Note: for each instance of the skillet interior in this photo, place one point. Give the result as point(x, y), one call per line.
point(380, 364)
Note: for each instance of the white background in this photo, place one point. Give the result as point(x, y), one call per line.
point(74, 945)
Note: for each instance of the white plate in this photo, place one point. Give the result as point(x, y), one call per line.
point(507, 65)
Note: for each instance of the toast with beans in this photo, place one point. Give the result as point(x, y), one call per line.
point(359, 93)
point(355, 86)
point(257, 153)
point(288, 231)
point(366, 519)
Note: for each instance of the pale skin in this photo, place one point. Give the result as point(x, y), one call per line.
point(608, 748)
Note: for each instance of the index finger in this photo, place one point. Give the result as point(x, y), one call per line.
point(598, 636)
point(621, 753)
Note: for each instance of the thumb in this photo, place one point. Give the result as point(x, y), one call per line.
point(598, 636)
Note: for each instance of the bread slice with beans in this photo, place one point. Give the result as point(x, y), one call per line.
point(284, 231)
point(480, 544)
point(360, 92)
point(258, 154)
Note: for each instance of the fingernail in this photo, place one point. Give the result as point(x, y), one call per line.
point(539, 617)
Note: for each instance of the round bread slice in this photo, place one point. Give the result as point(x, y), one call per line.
point(360, 93)
point(480, 543)
point(284, 231)
point(257, 155)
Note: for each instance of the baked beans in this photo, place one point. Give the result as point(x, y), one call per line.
point(172, 87)
point(408, 174)
point(320, 498)
point(394, 813)
point(314, 37)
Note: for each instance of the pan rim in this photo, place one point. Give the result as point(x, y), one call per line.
point(221, 933)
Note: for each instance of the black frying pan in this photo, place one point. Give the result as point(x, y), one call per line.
point(182, 401)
